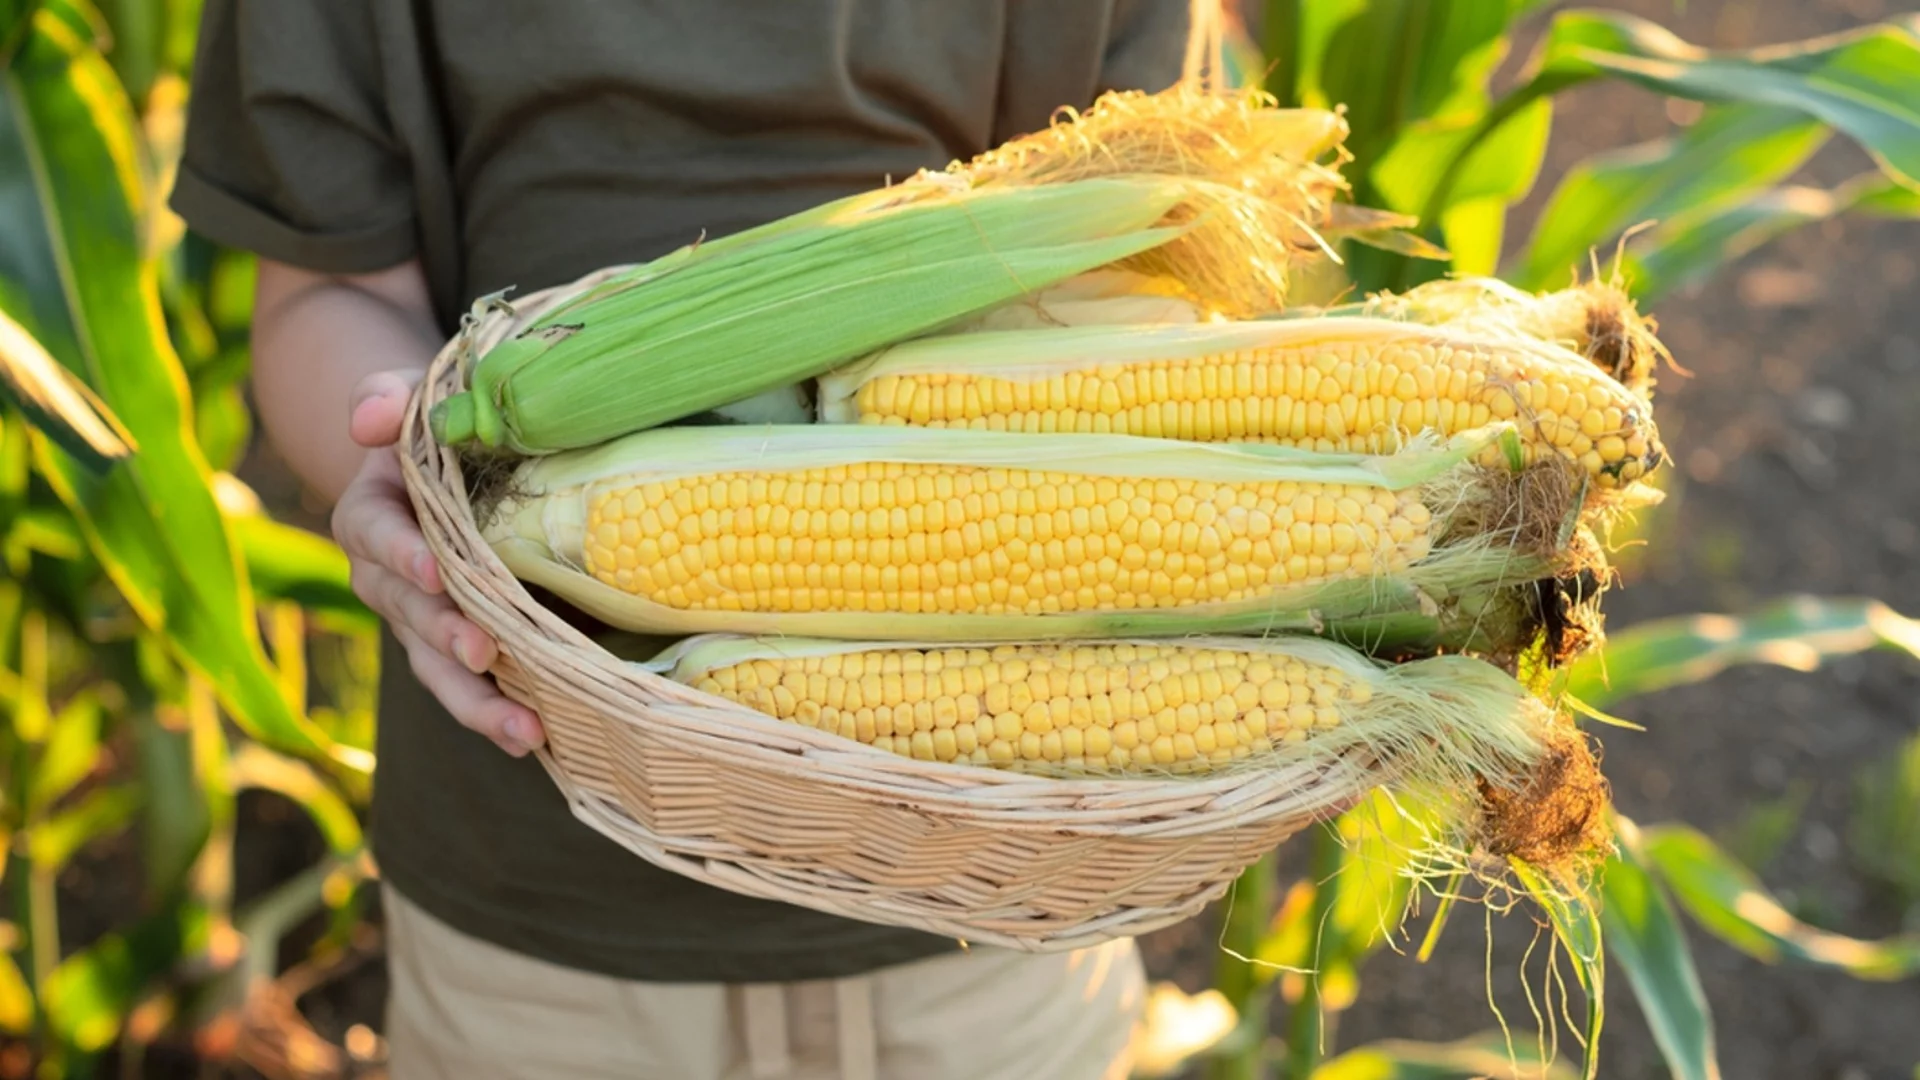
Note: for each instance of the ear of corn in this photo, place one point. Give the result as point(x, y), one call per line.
point(872, 532)
point(1333, 384)
point(719, 322)
point(1129, 707)
point(1596, 319)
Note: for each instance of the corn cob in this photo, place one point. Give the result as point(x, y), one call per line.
point(726, 320)
point(1117, 706)
point(1330, 384)
point(906, 532)
point(1596, 319)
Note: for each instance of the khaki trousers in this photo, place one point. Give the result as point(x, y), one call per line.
point(464, 1009)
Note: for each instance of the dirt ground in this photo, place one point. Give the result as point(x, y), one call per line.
point(1798, 446)
point(1797, 442)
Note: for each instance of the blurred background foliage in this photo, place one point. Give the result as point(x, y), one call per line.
point(167, 647)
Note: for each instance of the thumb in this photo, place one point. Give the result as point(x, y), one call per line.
point(378, 405)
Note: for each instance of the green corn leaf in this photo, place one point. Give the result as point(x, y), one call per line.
point(89, 995)
point(286, 563)
point(1732, 153)
point(1687, 249)
point(43, 530)
point(1796, 633)
point(1484, 1057)
point(58, 404)
point(16, 998)
point(1730, 903)
point(1502, 165)
point(15, 16)
point(254, 766)
point(1414, 75)
point(71, 752)
point(139, 42)
point(1395, 63)
point(177, 821)
point(1863, 83)
point(73, 189)
point(1645, 939)
point(51, 843)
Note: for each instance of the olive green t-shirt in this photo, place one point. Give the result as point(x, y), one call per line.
point(523, 143)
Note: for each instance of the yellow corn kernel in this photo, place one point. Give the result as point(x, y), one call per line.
point(1361, 390)
point(951, 539)
point(1077, 728)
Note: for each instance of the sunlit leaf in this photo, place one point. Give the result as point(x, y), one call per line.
point(43, 530)
point(72, 173)
point(1503, 165)
point(1394, 63)
point(1474, 229)
point(52, 842)
point(254, 766)
point(1176, 1026)
point(1862, 83)
point(16, 999)
point(1483, 1058)
point(1730, 903)
point(1798, 633)
point(1313, 22)
point(1350, 906)
point(1644, 938)
point(89, 994)
point(1689, 248)
point(292, 564)
point(1732, 152)
point(71, 752)
point(61, 406)
point(139, 42)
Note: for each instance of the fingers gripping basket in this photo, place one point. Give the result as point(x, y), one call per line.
point(730, 797)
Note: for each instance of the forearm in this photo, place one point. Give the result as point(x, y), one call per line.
point(314, 338)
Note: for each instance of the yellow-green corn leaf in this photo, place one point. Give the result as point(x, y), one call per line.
point(1690, 247)
point(1729, 154)
point(59, 405)
point(1730, 903)
point(75, 196)
point(1645, 939)
point(87, 998)
point(1797, 632)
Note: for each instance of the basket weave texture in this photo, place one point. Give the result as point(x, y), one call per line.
point(719, 793)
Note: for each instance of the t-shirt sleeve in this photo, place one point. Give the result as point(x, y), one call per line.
point(289, 152)
point(1146, 45)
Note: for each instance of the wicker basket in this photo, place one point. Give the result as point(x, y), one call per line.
point(727, 796)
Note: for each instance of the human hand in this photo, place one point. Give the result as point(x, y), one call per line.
point(398, 577)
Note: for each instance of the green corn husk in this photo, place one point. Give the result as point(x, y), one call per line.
point(1439, 723)
point(719, 322)
point(539, 529)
